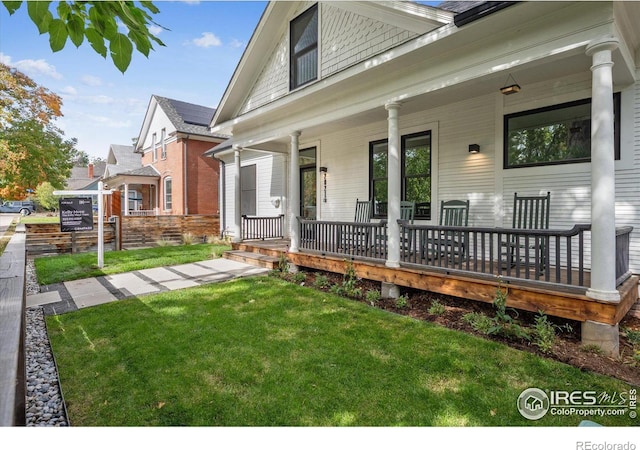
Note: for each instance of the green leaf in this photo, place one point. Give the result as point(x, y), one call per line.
point(96, 20)
point(75, 28)
point(97, 41)
point(57, 35)
point(142, 42)
point(39, 14)
point(63, 10)
point(121, 49)
point(150, 6)
point(12, 6)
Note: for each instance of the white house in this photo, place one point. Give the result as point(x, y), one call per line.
point(391, 101)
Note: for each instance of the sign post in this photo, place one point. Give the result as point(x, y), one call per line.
point(74, 217)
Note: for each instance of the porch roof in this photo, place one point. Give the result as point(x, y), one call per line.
point(444, 66)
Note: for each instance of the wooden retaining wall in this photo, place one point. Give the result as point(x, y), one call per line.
point(147, 231)
point(46, 238)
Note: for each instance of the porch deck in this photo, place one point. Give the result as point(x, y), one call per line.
point(560, 300)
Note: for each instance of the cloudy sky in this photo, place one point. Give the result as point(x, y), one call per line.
point(101, 106)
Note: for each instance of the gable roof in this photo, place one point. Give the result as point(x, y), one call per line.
point(79, 178)
point(187, 118)
point(273, 24)
point(121, 159)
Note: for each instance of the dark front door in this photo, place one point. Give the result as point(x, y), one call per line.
point(308, 193)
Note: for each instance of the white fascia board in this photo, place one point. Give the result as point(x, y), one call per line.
point(146, 123)
point(408, 16)
point(265, 37)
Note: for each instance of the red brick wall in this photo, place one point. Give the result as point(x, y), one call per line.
point(202, 177)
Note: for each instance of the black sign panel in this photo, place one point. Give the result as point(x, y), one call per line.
point(76, 214)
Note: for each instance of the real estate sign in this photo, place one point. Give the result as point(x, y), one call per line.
point(76, 214)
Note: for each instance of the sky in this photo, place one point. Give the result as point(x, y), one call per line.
point(101, 106)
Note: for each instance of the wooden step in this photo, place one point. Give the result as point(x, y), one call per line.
point(255, 259)
point(268, 248)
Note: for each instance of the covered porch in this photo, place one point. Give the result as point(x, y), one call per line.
point(139, 192)
point(426, 122)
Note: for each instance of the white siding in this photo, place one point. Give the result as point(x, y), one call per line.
point(345, 39)
point(270, 184)
point(159, 121)
point(348, 38)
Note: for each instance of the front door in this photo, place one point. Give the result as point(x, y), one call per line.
point(308, 183)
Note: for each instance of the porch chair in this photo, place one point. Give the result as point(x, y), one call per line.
point(529, 213)
point(451, 244)
point(407, 212)
point(357, 239)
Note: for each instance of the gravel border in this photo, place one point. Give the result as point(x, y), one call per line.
point(45, 406)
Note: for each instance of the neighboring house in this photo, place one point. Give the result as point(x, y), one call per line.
point(170, 147)
point(402, 101)
point(124, 172)
point(86, 178)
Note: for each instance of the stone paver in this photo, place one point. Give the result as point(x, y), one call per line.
point(91, 291)
point(88, 292)
point(132, 284)
point(44, 298)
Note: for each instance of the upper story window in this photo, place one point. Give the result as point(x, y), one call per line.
point(154, 151)
point(163, 137)
point(558, 134)
point(303, 49)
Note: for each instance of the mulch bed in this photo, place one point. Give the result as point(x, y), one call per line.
point(567, 348)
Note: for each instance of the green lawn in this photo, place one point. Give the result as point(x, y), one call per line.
point(264, 352)
point(55, 269)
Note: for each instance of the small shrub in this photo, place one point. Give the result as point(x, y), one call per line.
point(217, 240)
point(299, 277)
point(321, 281)
point(544, 333)
point(632, 335)
point(163, 243)
point(479, 322)
point(373, 296)
point(354, 292)
point(401, 302)
point(436, 308)
point(283, 264)
point(188, 238)
point(337, 289)
point(592, 348)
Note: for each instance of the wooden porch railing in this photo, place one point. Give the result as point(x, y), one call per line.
point(362, 239)
point(262, 227)
point(142, 212)
point(559, 257)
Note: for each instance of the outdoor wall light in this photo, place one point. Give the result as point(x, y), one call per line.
point(512, 88)
point(474, 148)
point(323, 170)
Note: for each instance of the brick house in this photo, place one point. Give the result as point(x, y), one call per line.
point(172, 176)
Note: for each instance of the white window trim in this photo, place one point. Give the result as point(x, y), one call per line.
point(164, 193)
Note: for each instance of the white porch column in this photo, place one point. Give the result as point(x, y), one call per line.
point(394, 187)
point(237, 208)
point(603, 228)
point(126, 199)
point(293, 205)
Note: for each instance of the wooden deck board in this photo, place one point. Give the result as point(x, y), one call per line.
point(553, 300)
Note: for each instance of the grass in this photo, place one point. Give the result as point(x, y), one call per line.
point(40, 219)
point(264, 352)
point(56, 269)
point(6, 237)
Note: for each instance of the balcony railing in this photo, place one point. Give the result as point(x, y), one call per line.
point(263, 227)
point(559, 257)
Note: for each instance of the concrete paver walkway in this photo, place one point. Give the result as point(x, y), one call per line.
point(72, 295)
